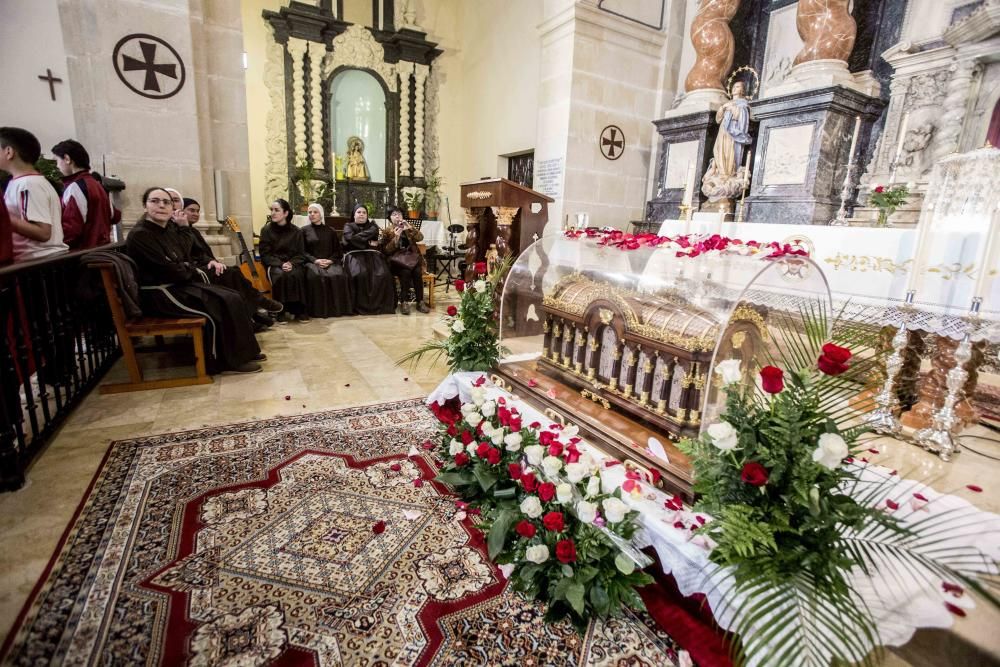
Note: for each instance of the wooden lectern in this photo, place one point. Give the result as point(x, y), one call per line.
point(500, 212)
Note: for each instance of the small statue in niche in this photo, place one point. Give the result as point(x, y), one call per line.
point(357, 168)
point(724, 179)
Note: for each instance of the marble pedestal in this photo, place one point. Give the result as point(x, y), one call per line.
point(684, 140)
point(802, 151)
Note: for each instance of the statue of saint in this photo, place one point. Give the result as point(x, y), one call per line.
point(357, 168)
point(733, 118)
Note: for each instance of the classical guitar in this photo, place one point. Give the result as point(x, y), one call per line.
point(252, 269)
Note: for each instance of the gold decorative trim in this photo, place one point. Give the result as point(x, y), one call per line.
point(747, 314)
point(738, 339)
point(606, 314)
point(596, 398)
point(644, 397)
point(661, 406)
point(555, 416)
point(591, 373)
point(479, 194)
point(699, 381)
point(503, 384)
point(546, 327)
point(694, 418)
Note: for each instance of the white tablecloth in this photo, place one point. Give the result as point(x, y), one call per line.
point(899, 609)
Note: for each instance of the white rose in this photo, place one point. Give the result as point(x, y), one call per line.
point(537, 554)
point(575, 472)
point(593, 486)
point(723, 436)
point(479, 285)
point(551, 465)
point(831, 451)
point(468, 407)
point(729, 371)
point(458, 326)
point(586, 512)
point(531, 507)
point(614, 509)
point(535, 454)
point(455, 447)
point(588, 461)
point(513, 442)
point(564, 493)
point(471, 448)
point(478, 395)
point(489, 408)
point(473, 418)
point(497, 436)
point(569, 432)
point(487, 429)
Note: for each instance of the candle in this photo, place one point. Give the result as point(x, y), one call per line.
point(854, 140)
point(988, 259)
point(689, 185)
point(916, 268)
point(899, 146)
point(746, 171)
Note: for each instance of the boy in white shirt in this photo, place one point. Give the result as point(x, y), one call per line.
point(35, 211)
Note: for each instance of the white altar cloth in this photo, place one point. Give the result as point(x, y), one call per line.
point(899, 609)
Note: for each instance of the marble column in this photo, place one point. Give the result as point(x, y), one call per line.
point(405, 70)
point(316, 52)
point(420, 74)
point(713, 45)
point(297, 49)
point(953, 111)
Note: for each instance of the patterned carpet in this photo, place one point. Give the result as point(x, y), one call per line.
point(293, 541)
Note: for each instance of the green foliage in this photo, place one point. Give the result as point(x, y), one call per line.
point(432, 188)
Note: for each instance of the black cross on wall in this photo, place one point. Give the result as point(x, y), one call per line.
point(612, 142)
point(130, 64)
point(52, 82)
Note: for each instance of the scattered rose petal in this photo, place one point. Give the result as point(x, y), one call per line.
point(974, 487)
point(918, 505)
point(418, 482)
point(406, 379)
point(920, 496)
point(551, 393)
point(460, 516)
point(700, 519)
point(873, 450)
point(535, 425)
point(427, 444)
point(348, 384)
point(411, 515)
point(892, 472)
point(532, 382)
point(506, 569)
point(288, 398)
point(679, 525)
point(891, 504)
point(395, 467)
point(612, 463)
point(954, 589)
point(955, 609)
point(480, 381)
point(378, 527)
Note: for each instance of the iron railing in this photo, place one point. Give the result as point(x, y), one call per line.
point(59, 339)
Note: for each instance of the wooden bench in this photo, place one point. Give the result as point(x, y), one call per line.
point(150, 326)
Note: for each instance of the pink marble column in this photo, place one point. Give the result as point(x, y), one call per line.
point(713, 45)
point(827, 29)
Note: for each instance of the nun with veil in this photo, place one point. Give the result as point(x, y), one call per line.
point(373, 291)
point(328, 291)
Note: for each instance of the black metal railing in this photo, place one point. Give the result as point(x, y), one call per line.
point(59, 339)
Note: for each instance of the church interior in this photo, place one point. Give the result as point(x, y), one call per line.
point(464, 332)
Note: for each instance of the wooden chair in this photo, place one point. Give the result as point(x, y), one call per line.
point(150, 326)
point(429, 280)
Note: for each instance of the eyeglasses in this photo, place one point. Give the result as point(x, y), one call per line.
point(155, 201)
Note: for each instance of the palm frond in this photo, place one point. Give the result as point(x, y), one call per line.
point(435, 348)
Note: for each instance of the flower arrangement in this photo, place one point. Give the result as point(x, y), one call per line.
point(887, 200)
point(550, 526)
point(473, 343)
point(686, 245)
point(792, 518)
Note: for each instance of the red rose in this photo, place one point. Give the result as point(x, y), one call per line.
point(452, 430)
point(503, 416)
point(459, 285)
point(754, 474)
point(461, 459)
point(452, 311)
point(556, 448)
point(515, 423)
point(525, 529)
point(480, 268)
point(514, 470)
point(546, 491)
point(545, 438)
point(566, 551)
point(418, 482)
point(378, 527)
point(395, 467)
point(493, 455)
point(572, 454)
point(773, 379)
point(482, 449)
point(529, 482)
point(554, 521)
point(466, 437)
point(833, 361)
point(879, 189)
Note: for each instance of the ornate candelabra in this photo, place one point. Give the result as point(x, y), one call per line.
point(883, 419)
point(845, 196)
point(940, 436)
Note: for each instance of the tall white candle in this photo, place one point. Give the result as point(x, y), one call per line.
point(854, 139)
point(689, 185)
point(899, 146)
point(988, 259)
point(919, 250)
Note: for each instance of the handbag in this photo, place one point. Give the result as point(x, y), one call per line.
point(407, 260)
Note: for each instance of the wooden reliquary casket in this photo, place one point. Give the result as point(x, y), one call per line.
point(645, 354)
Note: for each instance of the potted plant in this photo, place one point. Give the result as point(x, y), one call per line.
point(305, 174)
point(432, 198)
point(414, 198)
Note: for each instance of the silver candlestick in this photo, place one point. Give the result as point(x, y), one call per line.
point(940, 436)
point(883, 419)
point(845, 195)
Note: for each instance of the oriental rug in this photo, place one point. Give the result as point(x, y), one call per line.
point(314, 539)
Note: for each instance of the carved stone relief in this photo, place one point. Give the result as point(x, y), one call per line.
point(405, 70)
point(356, 47)
point(276, 165)
point(420, 72)
point(317, 52)
point(432, 105)
point(297, 49)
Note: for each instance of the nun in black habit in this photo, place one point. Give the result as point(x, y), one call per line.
point(329, 291)
point(283, 253)
point(172, 286)
point(372, 287)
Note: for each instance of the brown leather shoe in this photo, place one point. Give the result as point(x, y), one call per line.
point(404, 308)
point(423, 307)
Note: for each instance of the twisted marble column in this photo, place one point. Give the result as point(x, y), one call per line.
point(316, 52)
point(297, 49)
point(405, 70)
point(713, 45)
point(949, 132)
point(827, 30)
point(421, 72)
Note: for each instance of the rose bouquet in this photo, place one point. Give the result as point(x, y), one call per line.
point(793, 516)
point(550, 526)
point(473, 342)
point(887, 200)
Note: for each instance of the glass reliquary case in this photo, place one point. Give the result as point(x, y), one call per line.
point(623, 343)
